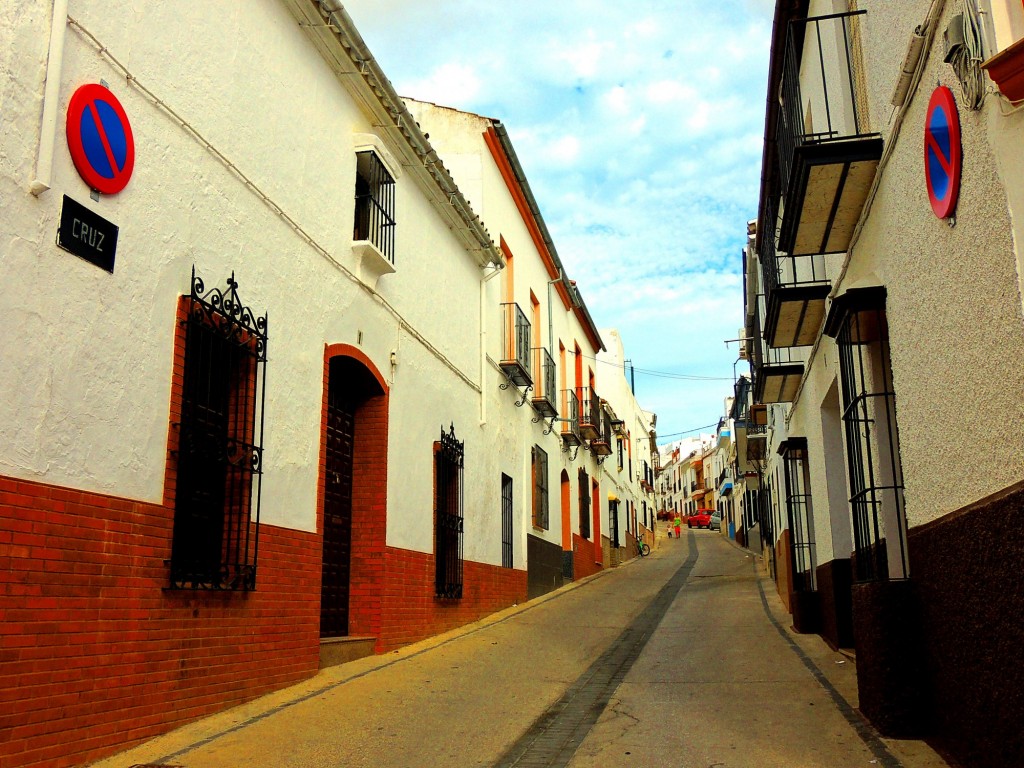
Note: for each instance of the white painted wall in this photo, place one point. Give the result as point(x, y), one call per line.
point(510, 432)
point(86, 356)
point(954, 300)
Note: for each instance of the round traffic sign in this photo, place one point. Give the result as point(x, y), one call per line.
point(943, 156)
point(100, 139)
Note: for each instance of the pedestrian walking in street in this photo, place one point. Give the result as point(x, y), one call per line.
point(678, 523)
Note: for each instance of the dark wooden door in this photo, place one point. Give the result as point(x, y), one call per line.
point(337, 522)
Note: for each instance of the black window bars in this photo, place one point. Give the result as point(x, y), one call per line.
point(799, 513)
point(220, 435)
point(584, 496)
point(448, 515)
point(506, 521)
point(539, 460)
point(375, 204)
point(613, 523)
point(858, 322)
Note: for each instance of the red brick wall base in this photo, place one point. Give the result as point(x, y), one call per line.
point(95, 653)
point(585, 558)
point(410, 611)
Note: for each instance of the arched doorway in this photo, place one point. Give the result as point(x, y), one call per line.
point(354, 476)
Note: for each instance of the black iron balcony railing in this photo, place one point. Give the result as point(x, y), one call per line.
point(757, 433)
point(544, 389)
point(740, 410)
point(570, 417)
point(821, 124)
point(590, 414)
point(601, 445)
point(796, 288)
point(515, 354)
point(777, 371)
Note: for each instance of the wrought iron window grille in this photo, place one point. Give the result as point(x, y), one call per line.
point(449, 460)
point(859, 323)
point(584, 497)
point(506, 521)
point(539, 460)
point(799, 514)
point(220, 455)
point(374, 204)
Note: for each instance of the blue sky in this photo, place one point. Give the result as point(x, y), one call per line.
point(639, 126)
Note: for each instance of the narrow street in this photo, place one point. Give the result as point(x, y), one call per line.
point(680, 659)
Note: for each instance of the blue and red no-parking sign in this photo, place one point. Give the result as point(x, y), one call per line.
point(943, 155)
point(100, 139)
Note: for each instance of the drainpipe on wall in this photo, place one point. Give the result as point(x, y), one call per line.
point(51, 96)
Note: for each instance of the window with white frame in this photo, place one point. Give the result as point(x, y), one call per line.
point(374, 204)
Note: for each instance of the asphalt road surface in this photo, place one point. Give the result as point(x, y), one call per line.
point(684, 659)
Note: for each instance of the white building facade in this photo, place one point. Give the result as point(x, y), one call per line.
point(883, 283)
point(268, 427)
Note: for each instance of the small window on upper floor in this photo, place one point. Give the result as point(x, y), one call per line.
point(375, 204)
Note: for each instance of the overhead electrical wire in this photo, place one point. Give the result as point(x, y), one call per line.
point(657, 374)
point(688, 431)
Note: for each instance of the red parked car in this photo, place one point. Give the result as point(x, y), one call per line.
point(700, 519)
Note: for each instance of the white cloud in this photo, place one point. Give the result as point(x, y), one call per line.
point(670, 92)
point(450, 83)
point(617, 100)
point(639, 126)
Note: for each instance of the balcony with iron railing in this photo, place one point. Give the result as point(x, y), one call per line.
point(515, 354)
point(570, 411)
point(601, 445)
point(725, 481)
point(740, 408)
point(796, 288)
point(827, 156)
point(755, 443)
point(590, 414)
point(777, 371)
point(544, 389)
